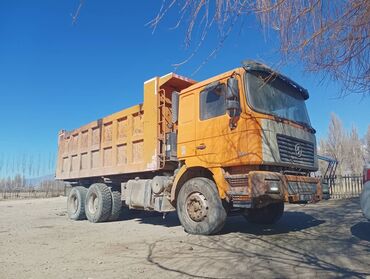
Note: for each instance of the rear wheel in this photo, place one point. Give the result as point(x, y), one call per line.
point(98, 205)
point(76, 203)
point(266, 215)
point(116, 206)
point(200, 208)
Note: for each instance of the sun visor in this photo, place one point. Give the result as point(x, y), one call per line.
point(256, 66)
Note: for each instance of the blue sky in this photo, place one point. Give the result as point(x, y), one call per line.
point(55, 75)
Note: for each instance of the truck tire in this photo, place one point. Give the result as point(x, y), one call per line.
point(200, 208)
point(116, 205)
point(76, 203)
point(266, 215)
point(98, 205)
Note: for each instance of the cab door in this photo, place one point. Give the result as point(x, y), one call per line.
point(212, 127)
point(187, 120)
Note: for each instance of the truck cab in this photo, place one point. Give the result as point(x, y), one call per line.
point(251, 126)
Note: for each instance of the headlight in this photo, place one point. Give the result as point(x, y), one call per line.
point(273, 185)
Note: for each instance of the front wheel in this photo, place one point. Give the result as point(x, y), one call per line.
point(265, 215)
point(200, 208)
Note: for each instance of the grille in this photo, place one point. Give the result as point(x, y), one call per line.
point(295, 151)
point(297, 187)
point(239, 190)
point(237, 180)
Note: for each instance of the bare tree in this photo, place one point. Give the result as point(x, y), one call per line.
point(336, 144)
point(355, 153)
point(329, 37)
point(2, 164)
point(346, 148)
point(367, 144)
point(321, 149)
point(30, 166)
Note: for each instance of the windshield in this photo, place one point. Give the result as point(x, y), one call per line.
point(274, 96)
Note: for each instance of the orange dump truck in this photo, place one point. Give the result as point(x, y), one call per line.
point(238, 142)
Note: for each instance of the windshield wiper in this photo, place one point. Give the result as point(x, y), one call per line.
point(281, 120)
point(309, 127)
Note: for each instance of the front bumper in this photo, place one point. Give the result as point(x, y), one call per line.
point(260, 188)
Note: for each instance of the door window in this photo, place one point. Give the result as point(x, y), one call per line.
point(213, 102)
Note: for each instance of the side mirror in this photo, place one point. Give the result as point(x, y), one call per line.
point(232, 89)
point(232, 101)
point(233, 108)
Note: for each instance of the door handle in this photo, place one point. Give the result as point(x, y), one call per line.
point(201, 146)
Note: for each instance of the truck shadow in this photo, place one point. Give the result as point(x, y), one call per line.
point(361, 230)
point(290, 222)
point(243, 256)
point(328, 240)
point(150, 217)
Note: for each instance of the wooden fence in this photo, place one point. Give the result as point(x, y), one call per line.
point(46, 189)
point(346, 186)
point(30, 194)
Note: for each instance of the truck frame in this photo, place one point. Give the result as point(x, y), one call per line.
point(238, 142)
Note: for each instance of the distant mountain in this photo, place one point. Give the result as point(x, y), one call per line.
point(35, 181)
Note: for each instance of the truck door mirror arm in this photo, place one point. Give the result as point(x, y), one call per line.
point(233, 101)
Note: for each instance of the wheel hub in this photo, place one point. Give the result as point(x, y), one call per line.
point(93, 203)
point(197, 206)
point(73, 204)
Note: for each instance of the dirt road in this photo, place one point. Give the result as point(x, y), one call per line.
point(37, 240)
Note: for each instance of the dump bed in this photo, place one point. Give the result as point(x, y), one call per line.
point(129, 141)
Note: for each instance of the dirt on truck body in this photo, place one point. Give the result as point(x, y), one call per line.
point(238, 142)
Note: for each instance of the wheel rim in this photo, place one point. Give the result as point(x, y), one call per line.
point(93, 203)
point(197, 206)
point(73, 204)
